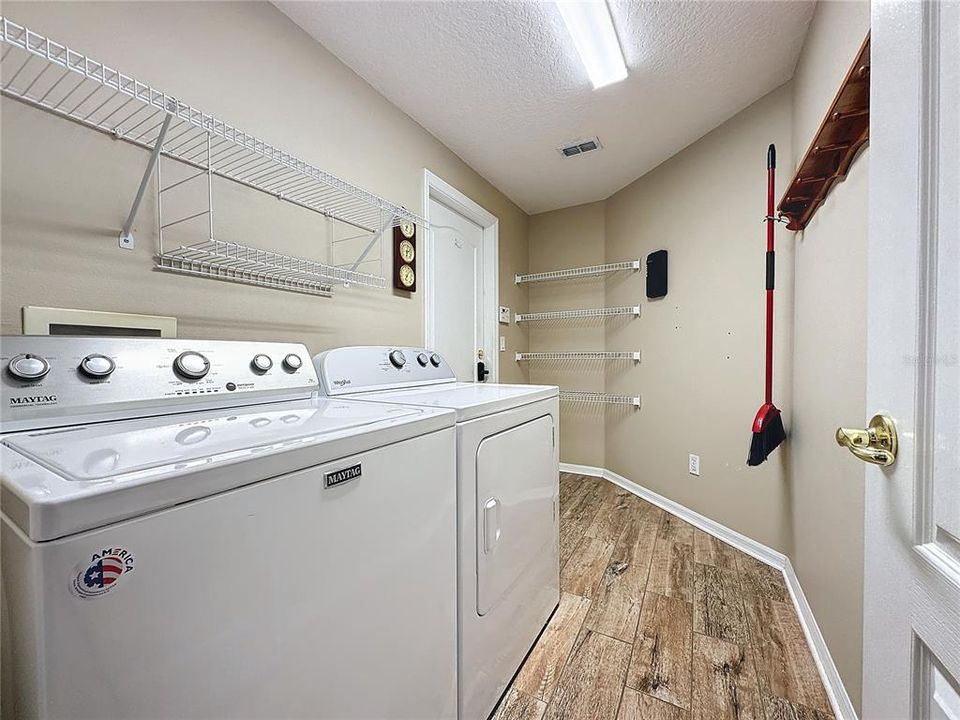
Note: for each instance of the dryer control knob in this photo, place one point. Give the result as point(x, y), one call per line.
point(435, 360)
point(261, 363)
point(398, 359)
point(28, 367)
point(191, 365)
point(292, 362)
point(422, 359)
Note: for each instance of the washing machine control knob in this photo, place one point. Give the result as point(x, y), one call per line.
point(28, 367)
point(435, 360)
point(422, 359)
point(97, 366)
point(398, 359)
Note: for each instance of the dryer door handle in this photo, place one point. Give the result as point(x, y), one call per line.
point(491, 524)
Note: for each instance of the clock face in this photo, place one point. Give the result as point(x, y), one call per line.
point(407, 251)
point(408, 229)
point(407, 276)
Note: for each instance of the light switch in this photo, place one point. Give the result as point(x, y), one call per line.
point(503, 343)
point(504, 315)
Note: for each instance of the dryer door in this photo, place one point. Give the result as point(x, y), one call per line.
point(516, 520)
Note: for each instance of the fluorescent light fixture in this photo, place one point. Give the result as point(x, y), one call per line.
point(591, 28)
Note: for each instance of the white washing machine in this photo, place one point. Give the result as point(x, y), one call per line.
point(508, 500)
point(189, 531)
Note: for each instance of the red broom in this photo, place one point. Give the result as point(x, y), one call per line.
point(768, 430)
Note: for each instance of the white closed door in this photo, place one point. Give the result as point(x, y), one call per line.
point(458, 294)
point(912, 535)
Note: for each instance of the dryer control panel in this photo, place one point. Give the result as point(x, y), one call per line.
point(51, 381)
point(362, 369)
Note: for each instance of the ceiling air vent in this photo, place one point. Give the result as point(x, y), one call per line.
point(580, 147)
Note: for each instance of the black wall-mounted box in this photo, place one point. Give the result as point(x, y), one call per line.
point(657, 274)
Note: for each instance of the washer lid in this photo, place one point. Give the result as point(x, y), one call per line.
point(469, 400)
point(57, 482)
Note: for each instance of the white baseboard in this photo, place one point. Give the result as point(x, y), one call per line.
point(839, 699)
point(582, 469)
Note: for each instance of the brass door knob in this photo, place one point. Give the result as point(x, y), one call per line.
point(877, 444)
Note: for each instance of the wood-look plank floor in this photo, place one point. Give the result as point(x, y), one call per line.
point(661, 621)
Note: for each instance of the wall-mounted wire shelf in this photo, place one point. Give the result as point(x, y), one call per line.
point(53, 77)
point(578, 314)
point(232, 261)
point(580, 272)
point(598, 397)
point(579, 355)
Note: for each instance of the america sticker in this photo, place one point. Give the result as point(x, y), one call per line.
point(102, 574)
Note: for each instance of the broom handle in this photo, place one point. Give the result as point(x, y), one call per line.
point(771, 172)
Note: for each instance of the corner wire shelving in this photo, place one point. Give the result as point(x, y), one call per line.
point(55, 78)
point(579, 355)
point(633, 310)
point(599, 397)
point(580, 272)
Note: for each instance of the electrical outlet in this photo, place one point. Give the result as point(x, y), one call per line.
point(504, 315)
point(694, 464)
point(503, 343)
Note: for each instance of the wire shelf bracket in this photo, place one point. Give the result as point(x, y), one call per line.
point(579, 355)
point(633, 310)
point(126, 240)
point(580, 272)
point(598, 397)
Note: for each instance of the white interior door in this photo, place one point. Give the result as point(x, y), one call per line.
point(460, 307)
point(912, 540)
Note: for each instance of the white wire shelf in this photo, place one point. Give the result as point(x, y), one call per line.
point(579, 355)
point(578, 314)
point(50, 76)
point(232, 261)
point(580, 272)
point(597, 397)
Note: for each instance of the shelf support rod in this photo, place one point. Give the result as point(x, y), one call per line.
point(126, 240)
point(373, 241)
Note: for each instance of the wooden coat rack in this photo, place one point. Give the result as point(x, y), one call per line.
point(841, 134)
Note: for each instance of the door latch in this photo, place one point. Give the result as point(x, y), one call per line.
point(877, 444)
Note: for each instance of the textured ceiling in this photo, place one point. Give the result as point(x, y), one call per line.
point(500, 83)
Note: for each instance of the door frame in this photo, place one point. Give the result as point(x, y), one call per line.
point(436, 188)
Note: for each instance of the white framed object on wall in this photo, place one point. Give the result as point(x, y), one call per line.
point(39, 320)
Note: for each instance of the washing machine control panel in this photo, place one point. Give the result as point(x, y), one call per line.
point(362, 369)
point(50, 381)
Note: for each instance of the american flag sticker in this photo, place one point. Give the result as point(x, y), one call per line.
point(104, 571)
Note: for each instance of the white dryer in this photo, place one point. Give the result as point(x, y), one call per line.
point(188, 531)
point(507, 497)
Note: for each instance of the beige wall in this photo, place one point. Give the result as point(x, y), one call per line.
point(569, 238)
point(67, 189)
point(701, 378)
point(830, 356)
